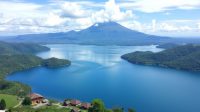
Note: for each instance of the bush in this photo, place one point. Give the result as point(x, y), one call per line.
point(97, 106)
point(26, 101)
point(2, 104)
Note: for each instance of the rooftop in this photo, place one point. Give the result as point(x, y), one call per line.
point(35, 95)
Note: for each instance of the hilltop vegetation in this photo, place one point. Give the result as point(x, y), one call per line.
point(186, 57)
point(20, 48)
point(18, 56)
point(13, 63)
point(54, 62)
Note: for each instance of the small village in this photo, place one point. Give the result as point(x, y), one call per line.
point(35, 102)
point(74, 105)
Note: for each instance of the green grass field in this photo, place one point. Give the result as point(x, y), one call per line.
point(11, 100)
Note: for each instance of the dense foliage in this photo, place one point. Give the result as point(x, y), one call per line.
point(14, 88)
point(2, 104)
point(54, 62)
point(16, 57)
point(13, 63)
point(26, 101)
point(20, 48)
point(185, 57)
point(97, 106)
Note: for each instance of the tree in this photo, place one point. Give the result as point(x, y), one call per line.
point(26, 101)
point(2, 104)
point(9, 110)
point(131, 110)
point(97, 106)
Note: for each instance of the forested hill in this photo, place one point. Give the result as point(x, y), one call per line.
point(186, 57)
point(16, 57)
point(19, 56)
point(21, 48)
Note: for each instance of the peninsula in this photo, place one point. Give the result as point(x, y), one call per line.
point(185, 57)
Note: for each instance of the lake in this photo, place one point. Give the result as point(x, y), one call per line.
point(99, 72)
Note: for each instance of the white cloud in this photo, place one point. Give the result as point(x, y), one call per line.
point(62, 15)
point(167, 13)
point(54, 20)
point(198, 26)
point(14, 9)
point(153, 25)
point(167, 27)
point(112, 12)
point(150, 6)
point(73, 10)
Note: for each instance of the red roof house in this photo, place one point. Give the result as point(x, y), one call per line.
point(85, 105)
point(36, 98)
point(75, 102)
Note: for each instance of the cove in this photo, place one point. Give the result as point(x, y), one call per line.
point(99, 72)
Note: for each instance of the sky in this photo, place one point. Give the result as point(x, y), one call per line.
point(176, 18)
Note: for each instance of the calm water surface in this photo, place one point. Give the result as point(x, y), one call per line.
point(98, 72)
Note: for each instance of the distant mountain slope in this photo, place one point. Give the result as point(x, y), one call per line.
point(101, 34)
point(185, 57)
point(20, 48)
point(108, 33)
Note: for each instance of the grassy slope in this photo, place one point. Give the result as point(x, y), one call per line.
point(185, 57)
point(43, 109)
point(11, 100)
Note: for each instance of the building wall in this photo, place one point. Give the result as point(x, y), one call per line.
point(37, 101)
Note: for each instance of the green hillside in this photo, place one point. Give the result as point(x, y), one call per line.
point(185, 57)
point(13, 63)
point(21, 48)
point(11, 100)
point(17, 57)
point(54, 62)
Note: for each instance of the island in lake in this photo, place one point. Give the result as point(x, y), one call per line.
point(186, 57)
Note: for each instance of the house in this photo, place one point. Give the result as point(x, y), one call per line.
point(66, 102)
point(85, 105)
point(36, 98)
point(75, 102)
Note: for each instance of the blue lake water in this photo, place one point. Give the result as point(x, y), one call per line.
point(99, 72)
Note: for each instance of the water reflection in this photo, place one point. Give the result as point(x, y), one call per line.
point(106, 55)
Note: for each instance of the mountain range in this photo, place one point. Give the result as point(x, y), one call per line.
point(108, 33)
